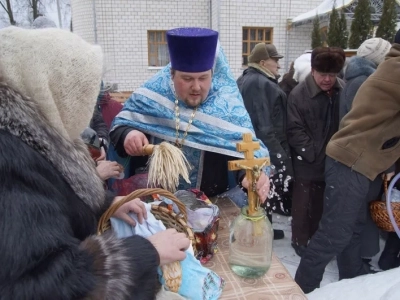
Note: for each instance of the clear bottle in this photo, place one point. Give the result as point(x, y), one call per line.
point(250, 244)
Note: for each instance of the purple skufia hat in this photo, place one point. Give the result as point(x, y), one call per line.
point(192, 49)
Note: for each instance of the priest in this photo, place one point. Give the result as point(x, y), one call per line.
point(195, 104)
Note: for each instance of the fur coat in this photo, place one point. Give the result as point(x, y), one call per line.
point(50, 201)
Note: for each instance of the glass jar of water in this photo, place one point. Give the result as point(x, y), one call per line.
point(250, 244)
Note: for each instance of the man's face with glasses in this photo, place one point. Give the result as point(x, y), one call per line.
point(324, 80)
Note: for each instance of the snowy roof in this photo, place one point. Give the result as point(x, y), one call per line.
point(323, 8)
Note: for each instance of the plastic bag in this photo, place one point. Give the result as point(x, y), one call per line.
point(203, 218)
point(197, 282)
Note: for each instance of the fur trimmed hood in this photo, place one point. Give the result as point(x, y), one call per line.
point(359, 66)
point(22, 117)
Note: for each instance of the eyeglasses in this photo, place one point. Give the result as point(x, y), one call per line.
point(330, 75)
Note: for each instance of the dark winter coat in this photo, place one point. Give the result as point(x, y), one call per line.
point(313, 117)
point(266, 104)
point(97, 124)
point(288, 83)
point(50, 201)
point(357, 71)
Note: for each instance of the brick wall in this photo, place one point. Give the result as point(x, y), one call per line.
point(122, 29)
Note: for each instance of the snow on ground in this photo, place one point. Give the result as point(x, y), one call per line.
point(379, 286)
point(369, 287)
point(285, 252)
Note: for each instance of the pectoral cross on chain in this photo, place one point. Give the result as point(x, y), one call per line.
point(253, 167)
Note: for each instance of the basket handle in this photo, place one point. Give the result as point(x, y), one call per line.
point(385, 185)
point(137, 194)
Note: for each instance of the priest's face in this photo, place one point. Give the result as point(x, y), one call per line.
point(192, 88)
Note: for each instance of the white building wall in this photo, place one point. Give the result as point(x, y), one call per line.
point(83, 19)
point(236, 14)
point(122, 29)
point(215, 11)
point(123, 26)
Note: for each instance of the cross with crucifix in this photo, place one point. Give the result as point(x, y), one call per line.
point(253, 167)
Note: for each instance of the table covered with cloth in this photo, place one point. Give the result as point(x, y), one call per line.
point(276, 284)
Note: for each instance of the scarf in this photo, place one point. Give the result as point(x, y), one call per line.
point(267, 72)
point(56, 68)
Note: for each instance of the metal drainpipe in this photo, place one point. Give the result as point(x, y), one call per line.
point(219, 15)
point(94, 20)
point(210, 13)
point(288, 21)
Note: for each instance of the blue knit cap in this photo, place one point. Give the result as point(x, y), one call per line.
point(192, 49)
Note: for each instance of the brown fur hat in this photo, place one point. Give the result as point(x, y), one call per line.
point(328, 59)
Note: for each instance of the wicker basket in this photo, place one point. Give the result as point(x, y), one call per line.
point(172, 273)
point(380, 214)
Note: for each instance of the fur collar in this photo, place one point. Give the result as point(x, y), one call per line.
point(22, 118)
point(359, 66)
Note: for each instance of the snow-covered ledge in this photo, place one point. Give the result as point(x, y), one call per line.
point(154, 68)
point(322, 9)
point(379, 286)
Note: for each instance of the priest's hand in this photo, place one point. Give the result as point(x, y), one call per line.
point(170, 245)
point(135, 206)
point(134, 143)
point(262, 186)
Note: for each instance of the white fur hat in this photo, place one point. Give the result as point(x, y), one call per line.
point(302, 67)
point(374, 49)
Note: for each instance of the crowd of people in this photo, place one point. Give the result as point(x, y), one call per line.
point(340, 119)
point(331, 131)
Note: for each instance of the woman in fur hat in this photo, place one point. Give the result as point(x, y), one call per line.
point(51, 196)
